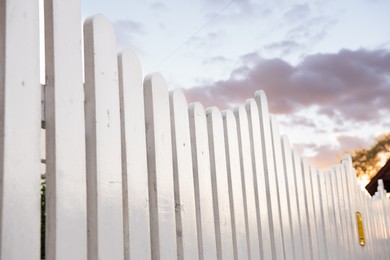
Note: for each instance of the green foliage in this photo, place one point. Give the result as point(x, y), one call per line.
point(366, 161)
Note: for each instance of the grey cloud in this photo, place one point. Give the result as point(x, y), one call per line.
point(355, 85)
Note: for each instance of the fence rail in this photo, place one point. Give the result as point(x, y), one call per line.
point(134, 172)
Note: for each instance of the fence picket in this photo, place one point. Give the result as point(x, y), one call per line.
point(219, 180)
point(284, 205)
point(319, 216)
point(103, 141)
point(20, 130)
point(236, 188)
point(186, 231)
point(312, 222)
point(302, 205)
point(338, 213)
point(343, 211)
point(66, 236)
point(349, 215)
point(248, 182)
point(293, 200)
point(262, 198)
point(134, 160)
point(332, 231)
point(202, 181)
point(160, 168)
point(271, 181)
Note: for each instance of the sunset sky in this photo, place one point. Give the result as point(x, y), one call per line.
point(324, 65)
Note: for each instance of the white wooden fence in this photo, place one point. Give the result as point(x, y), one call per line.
point(134, 172)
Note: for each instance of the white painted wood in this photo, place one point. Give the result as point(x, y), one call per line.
point(202, 182)
point(312, 222)
point(302, 206)
point(293, 200)
point(338, 214)
point(103, 141)
point(262, 199)
point(361, 206)
point(284, 204)
point(369, 230)
point(343, 211)
point(318, 209)
point(219, 180)
point(160, 168)
point(236, 184)
point(332, 231)
point(252, 229)
point(364, 209)
point(134, 159)
point(271, 179)
point(20, 126)
point(152, 179)
point(349, 214)
point(66, 208)
point(186, 230)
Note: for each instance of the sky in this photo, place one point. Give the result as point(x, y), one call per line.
point(324, 65)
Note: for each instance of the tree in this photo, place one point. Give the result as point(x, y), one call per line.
point(368, 162)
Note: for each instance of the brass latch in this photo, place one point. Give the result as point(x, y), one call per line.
point(362, 240)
